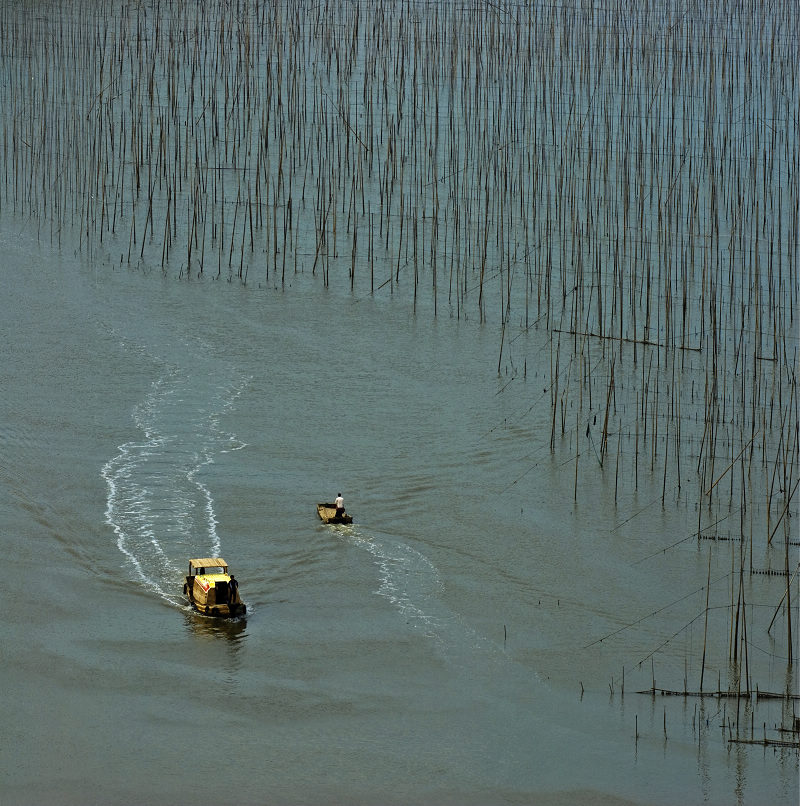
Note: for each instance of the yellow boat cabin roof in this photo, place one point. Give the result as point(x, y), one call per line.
point(199, 565)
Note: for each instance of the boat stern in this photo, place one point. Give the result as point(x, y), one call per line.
point(212, 590)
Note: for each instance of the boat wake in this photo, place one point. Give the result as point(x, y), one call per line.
point(408, 579)
point(413, 586)
point(158, 504)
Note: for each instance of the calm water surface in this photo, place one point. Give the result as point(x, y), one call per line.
point(615, 184)
point(441, 650)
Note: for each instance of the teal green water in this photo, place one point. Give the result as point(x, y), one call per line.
point(434, 652)
point(519, 281)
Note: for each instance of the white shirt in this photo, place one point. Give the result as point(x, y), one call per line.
point(340, 502)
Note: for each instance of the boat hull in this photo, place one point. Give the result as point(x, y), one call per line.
point(327, 514)
point(220, 610)
point(214, 609)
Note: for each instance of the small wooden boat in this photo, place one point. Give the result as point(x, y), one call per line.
point(208, 586)
point(327, 512)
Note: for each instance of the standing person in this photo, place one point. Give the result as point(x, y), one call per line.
point(233, 587)
point(339, 505)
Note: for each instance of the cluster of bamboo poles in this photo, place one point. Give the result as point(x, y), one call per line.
point(622, 180)
point(739, 723)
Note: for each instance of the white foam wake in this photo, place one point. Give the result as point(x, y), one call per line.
point(413, 585)
point(158, 503)
point(408, 579)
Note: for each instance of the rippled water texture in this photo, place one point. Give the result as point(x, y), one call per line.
point(520, 281)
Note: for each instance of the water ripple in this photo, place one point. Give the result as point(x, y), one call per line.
point(158, 503)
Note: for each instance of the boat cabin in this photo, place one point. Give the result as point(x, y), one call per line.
point(211, 589)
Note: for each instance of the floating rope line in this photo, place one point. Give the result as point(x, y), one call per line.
point(656, 612)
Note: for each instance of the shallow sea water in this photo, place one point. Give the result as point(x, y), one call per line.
point(473, 233)
point(441, 650)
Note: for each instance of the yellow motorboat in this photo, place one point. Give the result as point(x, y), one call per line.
point(212, 590)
